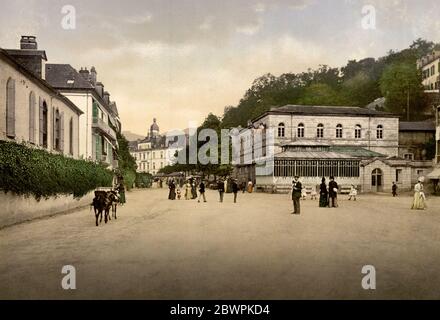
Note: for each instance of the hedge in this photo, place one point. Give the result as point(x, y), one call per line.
point(30, 171)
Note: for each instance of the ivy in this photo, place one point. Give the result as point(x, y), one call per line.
point(29, 171)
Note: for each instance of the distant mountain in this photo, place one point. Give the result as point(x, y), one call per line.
point(130, 136)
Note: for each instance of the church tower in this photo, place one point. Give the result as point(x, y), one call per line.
point(154, 129)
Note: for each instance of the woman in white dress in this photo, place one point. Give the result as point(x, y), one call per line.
point(419, 196)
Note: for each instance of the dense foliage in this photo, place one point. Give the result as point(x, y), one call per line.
point(394, 76)
point(29, 171)
point(126, 163)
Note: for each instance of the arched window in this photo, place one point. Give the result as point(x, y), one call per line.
point(71, 136)
point(300, 130)
point(339, 131)
point(320, 131)
point(10, 108)
point(379, 132)
point(43, 124)
point(32, 117)
point(358, 131)
point(57, 130)
point(281, 130)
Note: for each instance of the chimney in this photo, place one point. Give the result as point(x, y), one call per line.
point(93, 75)
point(28, 42)
point(84, 73)
point(99, 87)
point(107, 97)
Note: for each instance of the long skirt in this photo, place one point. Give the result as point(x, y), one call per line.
point(172, 194)
point(323, 201)
point(419, 202)
point(122, 197)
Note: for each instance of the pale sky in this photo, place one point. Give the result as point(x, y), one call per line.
point(178, 60)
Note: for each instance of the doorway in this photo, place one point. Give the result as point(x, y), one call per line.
point(377, 180)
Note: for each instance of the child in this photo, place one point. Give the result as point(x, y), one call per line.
point(304, 194)
point(353, 193)
point(313, 194)
point(178, 193)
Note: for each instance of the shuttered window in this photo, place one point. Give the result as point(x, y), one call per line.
point(10, 108)
point(32, 117)
point(71, 136)
point(43, 123)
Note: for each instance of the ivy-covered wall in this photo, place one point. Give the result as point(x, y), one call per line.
point(36, 172)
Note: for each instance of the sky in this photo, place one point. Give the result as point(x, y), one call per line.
point(178, 60)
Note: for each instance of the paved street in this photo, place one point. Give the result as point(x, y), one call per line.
point(161, 249)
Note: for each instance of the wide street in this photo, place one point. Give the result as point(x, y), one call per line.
point(255, 249)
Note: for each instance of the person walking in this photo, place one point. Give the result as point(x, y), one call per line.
point(121, 190)
point(243, 186)
point(172, 193)
point(296, 195)
point(353, 193)
point(221, 189)
point(193, 189)
point(394, 189)
point(202, 191)
point(419, 196)
point(323, 194)
point(187, 190)
point(333, 192)
point(235, 189)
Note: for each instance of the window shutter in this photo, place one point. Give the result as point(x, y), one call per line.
point(62, 132)
point(53, 128)
point(32, 117)
point(40, 103)
point(10, 108)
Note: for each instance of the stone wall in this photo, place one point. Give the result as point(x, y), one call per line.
point(17, 209)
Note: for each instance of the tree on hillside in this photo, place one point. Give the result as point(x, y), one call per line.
point(401, 84)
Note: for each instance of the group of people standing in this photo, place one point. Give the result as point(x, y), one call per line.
point(190, 189)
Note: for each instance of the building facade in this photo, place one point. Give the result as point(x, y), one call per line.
point(152, 153)
point(100, 122)
point(357, 146)
point(414, 139)
point(430, 68)
point(31, 111)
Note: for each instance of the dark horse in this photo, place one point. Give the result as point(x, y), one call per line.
point(103, 202)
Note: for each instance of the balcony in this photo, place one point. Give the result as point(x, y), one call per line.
point(103, 127)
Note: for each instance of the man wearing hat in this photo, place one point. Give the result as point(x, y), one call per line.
point(296, 195)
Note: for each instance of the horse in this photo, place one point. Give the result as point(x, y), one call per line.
point(99, 204)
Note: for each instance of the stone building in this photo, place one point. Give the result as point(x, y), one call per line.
point(31, 110)
point(414, 137)
point(430, 68)
point(100, 121)
point(152, 153)
point(435, 174)
point(358, 146)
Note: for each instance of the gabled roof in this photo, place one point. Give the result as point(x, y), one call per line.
point(342, 111)
point(427, 125)
point(41, 82)
point(65, 76)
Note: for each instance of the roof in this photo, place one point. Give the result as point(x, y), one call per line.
point(428, 125)
point(312, 155)
point(435, 174)
point(357, 152)
point(43, 83)
point(65, 76)
point(327, 111)
point(27, 52)
point(305, 143)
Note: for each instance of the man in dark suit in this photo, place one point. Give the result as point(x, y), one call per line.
point(296, 195)
point(333, 192)
point(235, 189)
point(221, 189)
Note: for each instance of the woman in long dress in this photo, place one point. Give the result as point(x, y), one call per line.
point(419, 196)
point(323, 194)
point(172, 194)
point(188, 194)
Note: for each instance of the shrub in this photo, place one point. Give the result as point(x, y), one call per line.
point(29, 171)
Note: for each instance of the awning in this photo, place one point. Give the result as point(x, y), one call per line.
point(435, 174)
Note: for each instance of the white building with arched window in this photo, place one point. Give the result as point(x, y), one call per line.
point(356, 145)
point(33, 112)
